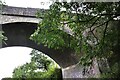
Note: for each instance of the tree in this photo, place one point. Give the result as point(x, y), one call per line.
point(1, 4)
point(84, 27)
point(2, 37)
point(39, 67)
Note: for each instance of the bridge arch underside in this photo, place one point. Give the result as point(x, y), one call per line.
point(18, 35)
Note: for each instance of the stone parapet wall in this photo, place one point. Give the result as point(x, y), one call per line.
point(10, 10)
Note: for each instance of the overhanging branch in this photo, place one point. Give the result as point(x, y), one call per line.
point(105, 22)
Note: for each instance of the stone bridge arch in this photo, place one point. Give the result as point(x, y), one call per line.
point(12, 14)
point(5, 19)
point(18, 34)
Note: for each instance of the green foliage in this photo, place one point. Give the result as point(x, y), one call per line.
point(114, 72)
point(0, 4)
point(2, 37)
point(39, 67)
point(64, 24)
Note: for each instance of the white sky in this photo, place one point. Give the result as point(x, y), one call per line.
point(29, 3)
point(11, 57)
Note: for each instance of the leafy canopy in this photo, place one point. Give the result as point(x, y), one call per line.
point(82, 27)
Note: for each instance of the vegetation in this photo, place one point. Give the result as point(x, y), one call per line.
point(39, 67)
point(88, 28)
point(2, 37)
point(1, 4)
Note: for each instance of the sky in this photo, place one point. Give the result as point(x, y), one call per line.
point(29, 3)
point(12, 57)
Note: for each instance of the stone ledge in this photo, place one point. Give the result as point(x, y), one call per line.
point(10, 10)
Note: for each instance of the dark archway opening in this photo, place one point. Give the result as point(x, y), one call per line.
point(18, 34)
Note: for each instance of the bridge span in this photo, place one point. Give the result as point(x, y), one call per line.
point(19, 23)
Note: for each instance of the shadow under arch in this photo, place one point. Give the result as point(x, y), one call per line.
point(18, 34)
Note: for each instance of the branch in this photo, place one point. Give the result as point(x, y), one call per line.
point(105, 31)
point(93, 30)
point(67, 22)
point(105, 22)
point(110, 14)
point(102, 43)
point(94, 22)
